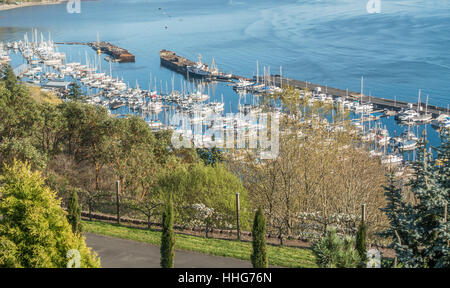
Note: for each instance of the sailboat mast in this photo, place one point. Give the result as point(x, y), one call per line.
point(281, 77)
point(257, 71)
point(362, 88)
point(418, 102)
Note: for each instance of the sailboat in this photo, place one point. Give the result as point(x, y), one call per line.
point(422, 118)
point(359, 107)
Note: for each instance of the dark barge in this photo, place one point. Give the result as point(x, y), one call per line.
point(180, 64)
point(174, 62)
point(117, 53)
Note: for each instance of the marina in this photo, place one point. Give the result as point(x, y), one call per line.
point(189, 110)
point(270, 83)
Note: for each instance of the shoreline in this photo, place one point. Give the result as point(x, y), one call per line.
point(27, 4)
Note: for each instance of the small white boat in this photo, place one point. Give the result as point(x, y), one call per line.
point(392, 159)
point(407, 145)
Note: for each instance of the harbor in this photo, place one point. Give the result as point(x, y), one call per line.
point(191, 101)
point(182, 65)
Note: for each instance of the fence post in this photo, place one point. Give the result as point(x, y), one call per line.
point(445, 218)
point(445, 212)
point(237, 217)
point(117, 200)
point(363, 213)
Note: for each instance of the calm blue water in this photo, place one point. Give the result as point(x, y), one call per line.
point(399, 51)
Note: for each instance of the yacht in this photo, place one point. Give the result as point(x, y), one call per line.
point(199, 69)
point(407, 115)
point(243, 84)
point(407, 145)
point(391, 159)
point(199, 96)
point(441, 121)
point(408, 135)
point(423, 118)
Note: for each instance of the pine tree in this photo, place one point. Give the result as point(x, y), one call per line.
point(74, 91)
point(361, 241)
point(167, 237)
point(419, 229)
point(395, 212)
point(333, 252)
point(259, 255)
point(74, 213)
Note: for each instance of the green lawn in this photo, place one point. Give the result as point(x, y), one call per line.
point(278, 256)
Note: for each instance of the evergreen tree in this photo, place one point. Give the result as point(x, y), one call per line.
point(8, 76)
point(74, 213)
point(34, 231)
point(395, 210)
point(259, 255)
point(74, 91)
point(419, 229)
point(167, 237)
point(361, 241)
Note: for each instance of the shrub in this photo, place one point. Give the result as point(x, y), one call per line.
point(34, 231)
point(333, 252)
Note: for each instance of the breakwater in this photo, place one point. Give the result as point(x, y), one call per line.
point(174, 62)
point(117, 53)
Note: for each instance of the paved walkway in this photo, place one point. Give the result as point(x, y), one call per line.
point(123, 253)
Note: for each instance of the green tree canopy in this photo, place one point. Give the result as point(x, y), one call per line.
point(213, 186)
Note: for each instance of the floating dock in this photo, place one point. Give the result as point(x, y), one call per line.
point(377, 101)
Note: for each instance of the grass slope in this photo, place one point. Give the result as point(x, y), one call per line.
point(278, 256)
point(43, 97)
